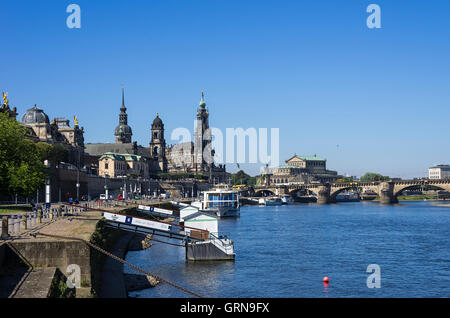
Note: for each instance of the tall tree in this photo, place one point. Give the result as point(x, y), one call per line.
point(241, 177)
point(21, 167)
point(371, 176)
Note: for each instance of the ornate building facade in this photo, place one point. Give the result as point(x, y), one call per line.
point(114, 165)
point(39, 129)
point(187, 157)
point(303, 169)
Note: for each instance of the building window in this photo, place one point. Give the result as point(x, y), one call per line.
point(106, 165)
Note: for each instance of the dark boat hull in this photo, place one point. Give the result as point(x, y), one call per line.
point(305, 199)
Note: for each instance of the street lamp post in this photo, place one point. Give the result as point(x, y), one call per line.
point(78, 177)
point(47, 190)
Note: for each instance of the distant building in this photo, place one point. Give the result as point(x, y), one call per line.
point(187, 157)
point(114, 165)
point(439, 172)
point(303, 169)
point(57, 132)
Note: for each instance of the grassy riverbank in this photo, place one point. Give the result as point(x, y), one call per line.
point(11, 208)
point(421, 197)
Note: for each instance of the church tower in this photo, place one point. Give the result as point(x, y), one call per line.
point(158, 143)
point(202, 136)
point(123, 132)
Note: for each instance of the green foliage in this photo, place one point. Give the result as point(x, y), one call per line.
point(344, 180)
point(241, 177)
point(44, 150)
point(58, 153)
point(21, 168)
point(54, 154)
point(371, 176)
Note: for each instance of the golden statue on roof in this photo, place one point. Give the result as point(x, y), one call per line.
point(75, 120)
point(5, 98)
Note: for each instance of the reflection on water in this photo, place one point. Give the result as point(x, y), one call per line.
point(285, 251)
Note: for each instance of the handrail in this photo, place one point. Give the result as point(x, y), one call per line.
point(136, 217)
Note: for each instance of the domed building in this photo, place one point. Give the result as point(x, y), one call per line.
point(57, 132)
point(36, 119)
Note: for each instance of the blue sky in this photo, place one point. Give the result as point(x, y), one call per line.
point(364, 99)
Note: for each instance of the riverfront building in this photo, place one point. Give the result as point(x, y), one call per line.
point(303, 169)
point(188, 157)
point(40, 129)
point(439, 172)
point(114, 165)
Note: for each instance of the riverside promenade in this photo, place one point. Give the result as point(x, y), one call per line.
point(37, 251)
point(32, 265)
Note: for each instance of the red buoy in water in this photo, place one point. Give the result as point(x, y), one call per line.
point(326, 280)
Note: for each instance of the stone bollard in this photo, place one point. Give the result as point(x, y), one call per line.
point(24, 222)
point(5, 233)
point(39, 216)
point(16, 221)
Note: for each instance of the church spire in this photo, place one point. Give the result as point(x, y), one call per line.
point(123, 108)
point(202, 101)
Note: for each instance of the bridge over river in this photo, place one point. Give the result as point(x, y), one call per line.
point(388, 191)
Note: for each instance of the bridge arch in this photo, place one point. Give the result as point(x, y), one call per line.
point(398, 192)
point(303, 191)
point(339, 190)
point(264, 193)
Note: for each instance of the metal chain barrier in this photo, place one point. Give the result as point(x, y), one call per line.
point(120, 260)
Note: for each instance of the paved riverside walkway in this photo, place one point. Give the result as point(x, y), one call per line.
point(36, 285)
point(35, 282)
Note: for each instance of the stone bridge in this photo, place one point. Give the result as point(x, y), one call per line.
point(388, 191)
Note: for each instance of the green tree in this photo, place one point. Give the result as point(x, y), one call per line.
point(21, 167)
point(58, 153)
point(44, 150)
point(371, 176)
point(344, 180)
point(241, 177)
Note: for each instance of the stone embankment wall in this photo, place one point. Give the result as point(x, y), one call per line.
point(59, 254)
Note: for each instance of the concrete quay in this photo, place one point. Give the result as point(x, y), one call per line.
point(38, 257)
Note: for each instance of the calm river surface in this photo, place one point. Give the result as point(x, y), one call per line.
point(285, 251)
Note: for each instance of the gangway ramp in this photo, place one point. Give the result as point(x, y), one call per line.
point(146, 226)
point(164, 213)
point(200, 245)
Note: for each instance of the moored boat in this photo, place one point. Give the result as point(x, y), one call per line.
point(221, 201)
point(349, 196)
point(286, 199)
point(367, 195)
point(273, 201)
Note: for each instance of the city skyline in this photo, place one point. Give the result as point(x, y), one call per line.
point(366, 100)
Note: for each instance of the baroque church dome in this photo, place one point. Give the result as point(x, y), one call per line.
point(35, 116)
point(157, 122)
point(125, 129)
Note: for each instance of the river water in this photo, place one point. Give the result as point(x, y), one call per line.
point(286, 251)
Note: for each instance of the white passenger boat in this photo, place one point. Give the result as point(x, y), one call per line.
point(286, 199)
point(273, 201)
point(222, 202)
